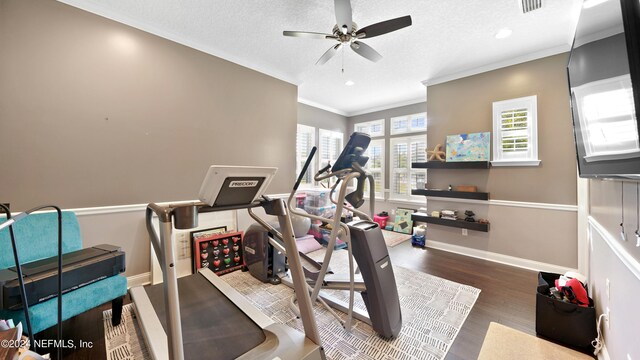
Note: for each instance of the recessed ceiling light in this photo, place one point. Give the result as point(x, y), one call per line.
point(503, 33)
point(349, 83)
point(591, 3)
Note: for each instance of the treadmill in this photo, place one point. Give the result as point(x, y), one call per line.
point(200, 315)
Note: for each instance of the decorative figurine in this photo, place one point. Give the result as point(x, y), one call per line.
point(470, 214)
point(436, 153)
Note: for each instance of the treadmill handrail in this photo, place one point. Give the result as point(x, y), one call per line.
point(163, 246)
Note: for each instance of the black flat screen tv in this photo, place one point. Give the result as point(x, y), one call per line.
point(604, 82)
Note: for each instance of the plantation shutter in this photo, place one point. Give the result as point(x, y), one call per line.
point(515, 132)
point(331, 143)
point(404, 151)
point(305, 141)
point(514, 126)
point(375, 166)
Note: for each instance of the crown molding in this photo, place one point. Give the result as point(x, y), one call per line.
point(498, 65)
point(321, 107)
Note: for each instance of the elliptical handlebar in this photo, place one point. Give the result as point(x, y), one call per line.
point(305, 168)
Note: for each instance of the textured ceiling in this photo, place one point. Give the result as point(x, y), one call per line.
point(448, 38)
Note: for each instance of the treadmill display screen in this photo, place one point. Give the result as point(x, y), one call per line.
point(238, 190)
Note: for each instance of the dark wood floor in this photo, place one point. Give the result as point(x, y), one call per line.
point(507, 297)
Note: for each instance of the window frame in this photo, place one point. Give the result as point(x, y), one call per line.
point(370, 124)
point(408, 128)
point(379, 195)
point(332, 135)
point(301, 158)
point(408, 140)
point(502, 158)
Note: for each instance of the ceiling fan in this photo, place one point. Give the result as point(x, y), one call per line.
point(346, 32)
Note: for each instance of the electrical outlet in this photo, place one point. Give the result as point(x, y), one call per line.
point(465, 232)
point(607, 318)
point(608, 288)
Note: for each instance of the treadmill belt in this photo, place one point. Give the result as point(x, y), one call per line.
point(212, 326)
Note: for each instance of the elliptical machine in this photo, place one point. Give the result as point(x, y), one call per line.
point(264, 253)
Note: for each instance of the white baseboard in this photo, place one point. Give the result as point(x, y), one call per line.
point(138, 280)
point(499, 258)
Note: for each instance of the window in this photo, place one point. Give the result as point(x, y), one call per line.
point(375, 166)
point(409, 123)
point(607, 122)
point(404, 151)
point(515, 140)
point(373, 128)
point(305, 141)
point(330, 146)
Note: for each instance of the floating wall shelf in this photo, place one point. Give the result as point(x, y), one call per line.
point(453, 223)
point(452, 194)
point(451, 165)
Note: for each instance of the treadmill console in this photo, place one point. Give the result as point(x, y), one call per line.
point(235, 185)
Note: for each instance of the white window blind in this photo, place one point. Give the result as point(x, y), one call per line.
point(606, 112)
point(375, 166)
point(305, 141)
point(404, 151)
point(409, 123)
point(373, 128)
point(515, 141)
point(330, 146)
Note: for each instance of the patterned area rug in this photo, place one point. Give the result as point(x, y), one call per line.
point(125, 341)
point(392, 238)
point(433, 311)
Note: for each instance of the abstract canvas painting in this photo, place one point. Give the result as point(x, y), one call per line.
point(469, 147)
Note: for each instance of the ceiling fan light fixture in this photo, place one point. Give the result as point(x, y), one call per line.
point(503, 33)
point(346, 32)
point(349, 83)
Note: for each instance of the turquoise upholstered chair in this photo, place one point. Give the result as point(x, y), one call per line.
point(37, 238)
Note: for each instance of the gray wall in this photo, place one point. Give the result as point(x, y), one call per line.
point(322, 119)
point(520, 227)
point(465, 106)
point(606, 207)
point(95, 113)
point(529, 231)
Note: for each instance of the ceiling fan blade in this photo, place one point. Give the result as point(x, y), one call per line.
point(343, 15)
point(307, 34)
point(384, 27)
point(328, 54)
point(366, 51)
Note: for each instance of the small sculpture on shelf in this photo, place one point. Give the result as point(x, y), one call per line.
point(436, 153)
point(470, 214)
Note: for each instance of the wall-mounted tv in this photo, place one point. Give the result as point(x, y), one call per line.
point(604, 80)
